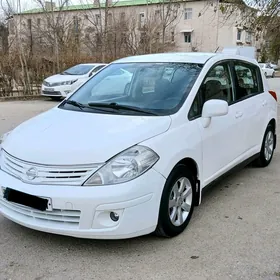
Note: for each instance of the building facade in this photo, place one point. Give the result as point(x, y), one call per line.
point(132, 27)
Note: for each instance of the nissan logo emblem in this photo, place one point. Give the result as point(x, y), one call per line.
point(31, 173)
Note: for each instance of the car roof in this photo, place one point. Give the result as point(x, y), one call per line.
point(183, 57)
point(92, 64)
point(193, 57)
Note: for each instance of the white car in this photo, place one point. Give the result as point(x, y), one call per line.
point(60, 85)
point(135, 159)
point(267, 69)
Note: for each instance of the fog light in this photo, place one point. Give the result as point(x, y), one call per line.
point(114, 216)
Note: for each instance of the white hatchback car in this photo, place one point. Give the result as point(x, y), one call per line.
point(60, 85)
point(267, 69)
point(135, 159)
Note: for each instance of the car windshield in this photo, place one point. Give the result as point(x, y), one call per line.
point(136, 88)
point(80, 69)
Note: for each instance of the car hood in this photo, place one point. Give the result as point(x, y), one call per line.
point(63, 78)
point(62, 137)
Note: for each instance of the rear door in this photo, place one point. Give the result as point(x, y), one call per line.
point(251, 101)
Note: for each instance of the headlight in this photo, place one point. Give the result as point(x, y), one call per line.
point(62, 83)
point(69, 82)
point(124, 167)
point(3, 137)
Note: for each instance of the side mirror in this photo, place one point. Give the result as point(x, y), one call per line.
point(90, 74)
point(213, 108)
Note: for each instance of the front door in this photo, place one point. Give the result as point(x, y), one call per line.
point(221, 140)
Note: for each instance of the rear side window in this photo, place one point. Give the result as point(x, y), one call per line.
point(248, 80)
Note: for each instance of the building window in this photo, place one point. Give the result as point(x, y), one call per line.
point(172, 36)
point(38, 22)
point(110, 19)
point(239, 33)
point(11, 26)
point(48, 22)
point(76, 23)
point(157, 14)
point(248, 38)
point(29, 23)
point(188, 13)
point(123, 37)
point(97, 19)
point(98, 39)
point(141, 20)
point(188, 37)
point(157, 36)
point(122, 15)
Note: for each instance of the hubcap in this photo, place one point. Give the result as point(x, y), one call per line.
point(268, 146)
point(180, 201)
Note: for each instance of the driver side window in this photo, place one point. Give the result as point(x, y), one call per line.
point(216, 85)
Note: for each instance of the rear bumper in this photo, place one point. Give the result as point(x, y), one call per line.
point(85, 211)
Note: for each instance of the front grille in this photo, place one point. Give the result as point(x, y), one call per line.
point(46, 174)
point(70, 218)
point(52, 93)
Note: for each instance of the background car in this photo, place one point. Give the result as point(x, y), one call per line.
point(274, 66)
point(60, 85)
point(267, 69)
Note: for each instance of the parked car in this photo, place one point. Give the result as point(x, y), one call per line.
point(60, 85)
point(135, 158)
point(274, 66)
point(267, 69)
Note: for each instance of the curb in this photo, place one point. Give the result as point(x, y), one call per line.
point(23, 98)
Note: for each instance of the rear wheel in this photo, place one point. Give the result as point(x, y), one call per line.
point(177, 202)
point(273, 74)
point(267, 150)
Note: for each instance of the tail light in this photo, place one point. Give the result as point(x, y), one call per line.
point(273, 94)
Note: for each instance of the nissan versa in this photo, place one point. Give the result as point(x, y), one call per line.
point(128, 158)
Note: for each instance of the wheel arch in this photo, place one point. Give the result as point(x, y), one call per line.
point(192, 165)
point(273, 123)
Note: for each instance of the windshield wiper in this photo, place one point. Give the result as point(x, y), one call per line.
point(76, 104)
point(83, 106)
point(117, 106)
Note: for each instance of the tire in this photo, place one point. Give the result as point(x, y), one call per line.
point(273, 74)
point(265, 74)
point(180, 176)
point(55, 98)
point(264, 158)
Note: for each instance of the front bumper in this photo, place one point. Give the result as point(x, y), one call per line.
point(58, 91)
point(85, 211)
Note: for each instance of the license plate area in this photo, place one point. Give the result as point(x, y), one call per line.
point(49, 89)
point(35, 202)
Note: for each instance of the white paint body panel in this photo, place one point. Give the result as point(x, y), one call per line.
point(60, 137)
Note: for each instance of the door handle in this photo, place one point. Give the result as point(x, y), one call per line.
point(238, 114)
point(264, 103)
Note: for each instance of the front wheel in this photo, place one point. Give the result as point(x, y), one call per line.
point(177, 202)
point(267, 149)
